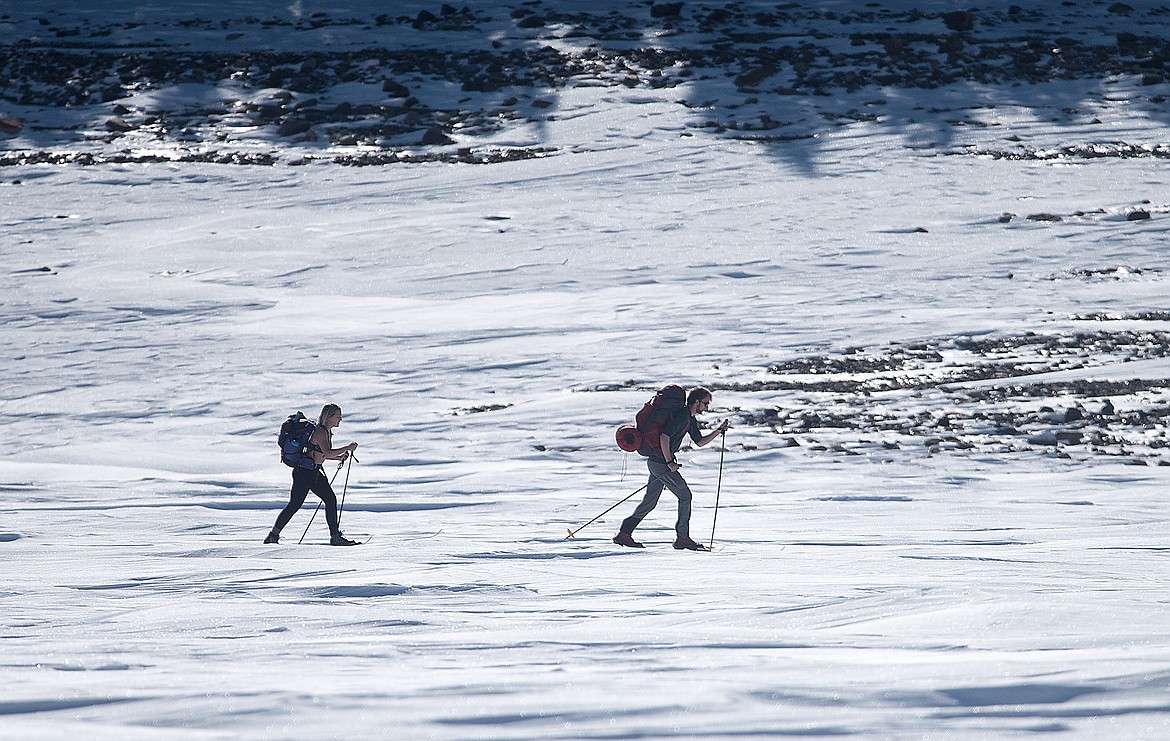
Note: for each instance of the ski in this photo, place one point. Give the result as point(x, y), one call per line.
point(422, 537)
point(407, 538)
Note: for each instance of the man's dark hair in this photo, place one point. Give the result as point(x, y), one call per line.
point(697, 394)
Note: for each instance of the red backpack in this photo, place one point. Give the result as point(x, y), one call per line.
point(644, 435)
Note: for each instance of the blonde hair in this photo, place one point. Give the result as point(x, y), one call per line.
point(328, 411)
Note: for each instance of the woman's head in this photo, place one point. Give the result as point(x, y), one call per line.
point(328, 412)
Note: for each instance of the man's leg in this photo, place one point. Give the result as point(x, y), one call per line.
point(650, 500)
point(678, 486)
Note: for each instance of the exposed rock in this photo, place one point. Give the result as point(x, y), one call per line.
point(11, 125)
point(744, 42)
point(992, 418)
point(960, 20)
point(1115, 150)
point(293, 126)
point(88, 159)
point(754, 77)
point(436, 136)
point(462, 156)
point(1128, 44)
point(666, 10)
point(119, 125)
point(395, 89)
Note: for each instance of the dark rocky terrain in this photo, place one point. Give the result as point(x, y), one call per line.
point(75, 93)
point(976, 397)
point(979, 397)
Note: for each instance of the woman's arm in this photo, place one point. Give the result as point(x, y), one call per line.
point(328, 453)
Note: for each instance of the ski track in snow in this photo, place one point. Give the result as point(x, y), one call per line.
point(916, 536)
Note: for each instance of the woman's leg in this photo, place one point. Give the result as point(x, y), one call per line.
point(302, 479)
point(325, 493)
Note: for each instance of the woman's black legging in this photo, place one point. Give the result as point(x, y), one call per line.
point(304, 481)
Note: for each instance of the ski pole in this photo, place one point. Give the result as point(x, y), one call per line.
point(345, 486)
point(718, 487)
point(573, 533)
point(302, 540)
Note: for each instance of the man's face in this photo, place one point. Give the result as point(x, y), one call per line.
point(703, 405)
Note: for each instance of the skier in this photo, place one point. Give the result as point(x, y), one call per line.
point(664, 471)
point(306, 478)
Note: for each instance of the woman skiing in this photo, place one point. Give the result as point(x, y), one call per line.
point(308, 476)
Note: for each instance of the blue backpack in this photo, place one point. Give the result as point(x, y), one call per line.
point(294, 442)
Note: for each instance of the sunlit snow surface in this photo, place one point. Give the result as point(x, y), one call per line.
point(907, 544)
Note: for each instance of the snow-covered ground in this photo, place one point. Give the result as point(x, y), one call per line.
point(942, 507)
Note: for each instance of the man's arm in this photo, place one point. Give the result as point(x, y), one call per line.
point(664, 446)
point(713, 434)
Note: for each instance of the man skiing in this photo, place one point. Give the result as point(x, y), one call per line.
point(664, 471)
